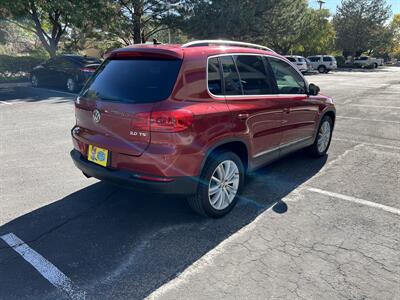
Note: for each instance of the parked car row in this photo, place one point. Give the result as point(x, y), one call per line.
point(321, 63)
point(69, 72)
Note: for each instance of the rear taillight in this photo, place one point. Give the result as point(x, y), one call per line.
point(171, 121)
point(89, 70)
point(163, 121)
point(141, 122)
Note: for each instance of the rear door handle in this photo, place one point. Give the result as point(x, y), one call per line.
point(243, 116)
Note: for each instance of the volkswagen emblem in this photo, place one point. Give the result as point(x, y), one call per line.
point(96, 116)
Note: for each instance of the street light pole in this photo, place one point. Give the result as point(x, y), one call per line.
point(321, 2)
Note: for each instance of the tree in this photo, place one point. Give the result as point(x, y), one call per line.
point(395, 27)
point(318, 33)
point(359, 24)
point(135, 21)
point(48, 19)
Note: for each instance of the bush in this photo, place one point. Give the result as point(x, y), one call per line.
point(14, 67)
point(341, 61)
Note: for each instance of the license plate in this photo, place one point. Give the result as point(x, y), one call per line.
point(98, 155)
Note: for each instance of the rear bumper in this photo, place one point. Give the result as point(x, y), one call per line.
point(179, 185)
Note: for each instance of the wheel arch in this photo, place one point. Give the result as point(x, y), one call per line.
point(236, 146)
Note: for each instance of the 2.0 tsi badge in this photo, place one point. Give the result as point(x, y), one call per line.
point(96, 116)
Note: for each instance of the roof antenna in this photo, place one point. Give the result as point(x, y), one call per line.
point(155, 42)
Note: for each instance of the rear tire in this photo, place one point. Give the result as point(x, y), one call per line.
point(322, 69)
point(221, 183)
point(322, 139)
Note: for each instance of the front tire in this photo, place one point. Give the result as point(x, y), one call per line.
point(71, 85)
point(323, 138)
point(35, 81)
point(220, 185)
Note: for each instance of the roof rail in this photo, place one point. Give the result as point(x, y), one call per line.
point(224, 42)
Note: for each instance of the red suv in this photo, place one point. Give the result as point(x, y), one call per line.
point(193, 119)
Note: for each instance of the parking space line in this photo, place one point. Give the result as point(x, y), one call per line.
point(390, 209)
point(375, 106)
point(372, 120)
point(366, 143)
point(44, 267)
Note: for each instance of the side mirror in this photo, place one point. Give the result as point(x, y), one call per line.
point(313, 90)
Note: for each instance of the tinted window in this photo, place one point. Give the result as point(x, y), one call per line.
point(83, 60)
point(327, 58)
point(314, 59)
point(289, 81)
point(231, 77)
point(292, 59)
point(253, 75)
point(214, 77)
point(301, 59)
point(133, 80)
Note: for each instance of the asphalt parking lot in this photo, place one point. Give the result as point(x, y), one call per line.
point(304, 229)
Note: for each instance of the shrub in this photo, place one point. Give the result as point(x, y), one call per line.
point(12, 67)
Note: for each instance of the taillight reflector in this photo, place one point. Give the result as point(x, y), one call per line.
point(163, 121)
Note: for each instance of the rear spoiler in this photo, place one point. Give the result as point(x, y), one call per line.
point(142, 52)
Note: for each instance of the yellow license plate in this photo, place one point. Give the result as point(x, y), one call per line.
point(98, 155)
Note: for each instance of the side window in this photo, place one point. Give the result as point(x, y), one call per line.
point(327, 58)
point(253, 75)
point(231, 76)
point(314, 59)
point(289, 81)
point(214, 77)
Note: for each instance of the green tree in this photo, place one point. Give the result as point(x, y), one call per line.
point(395, 27)
point(135, 21)
point(48, 19)
point(318, 33)
point(360, 25)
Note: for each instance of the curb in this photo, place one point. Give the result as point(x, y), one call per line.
point(7, 85)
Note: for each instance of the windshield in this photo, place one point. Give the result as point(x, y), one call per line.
point(133, 81)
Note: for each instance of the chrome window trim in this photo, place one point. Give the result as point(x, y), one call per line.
point(252, 96)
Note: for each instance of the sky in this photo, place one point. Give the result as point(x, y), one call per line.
point(331, 4)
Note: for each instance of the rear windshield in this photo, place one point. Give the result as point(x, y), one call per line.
point(301, 59)
point(133, 81)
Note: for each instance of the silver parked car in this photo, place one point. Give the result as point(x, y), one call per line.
point(299, 62)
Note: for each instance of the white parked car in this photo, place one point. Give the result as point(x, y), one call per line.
point(299, 62)
point(323, 63)
point(367, 62)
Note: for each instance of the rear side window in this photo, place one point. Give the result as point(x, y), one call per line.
point(301, 59)
point(214, 77)
point(314, 59)
point(230, 76)
point(288, 80)
point(327, 58)
point(253, 75)
point(133, 81)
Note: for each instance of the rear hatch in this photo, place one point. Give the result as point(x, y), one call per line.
point(113, 109)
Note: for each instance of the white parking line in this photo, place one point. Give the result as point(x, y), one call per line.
point(372, 120)
point(4, 102)
point(357, 200)
point(375, 106)
point(366, 143)
point(44, 267)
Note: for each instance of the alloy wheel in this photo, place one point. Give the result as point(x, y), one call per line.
point(324, 136)
point(70, 85)
point(223, 185)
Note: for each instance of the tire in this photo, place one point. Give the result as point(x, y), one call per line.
point(322, 141)
point(71, 85)
point(322, 69)
point(212, 199)
point(375, 65)
point(35, 81)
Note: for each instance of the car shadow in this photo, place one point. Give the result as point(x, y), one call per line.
point(29, 94)
point(118, 243)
